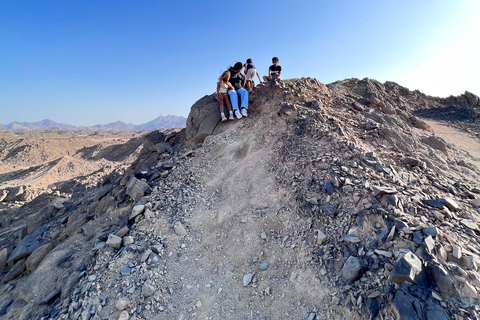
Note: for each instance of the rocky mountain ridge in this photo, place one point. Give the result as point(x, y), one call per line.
point(161, 122)
point(327, 202)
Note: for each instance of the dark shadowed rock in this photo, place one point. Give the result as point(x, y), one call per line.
point(442, 279)
point(449, 203)
point(352, 269)
point(433, 203)
point(29, 244)
point(436, 312)
point(16, 270)
point(408, 268)
point(407, 306)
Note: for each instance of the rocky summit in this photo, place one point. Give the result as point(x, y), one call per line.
point(339, 201)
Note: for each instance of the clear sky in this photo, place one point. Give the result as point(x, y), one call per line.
point(90, 62)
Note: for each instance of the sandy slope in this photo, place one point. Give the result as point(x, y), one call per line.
point(460, 139)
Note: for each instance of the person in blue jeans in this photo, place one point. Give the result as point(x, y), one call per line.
point(237, 79)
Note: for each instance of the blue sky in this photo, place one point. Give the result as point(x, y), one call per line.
point(95, 62)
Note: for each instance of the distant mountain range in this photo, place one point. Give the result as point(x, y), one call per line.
point(161, 122)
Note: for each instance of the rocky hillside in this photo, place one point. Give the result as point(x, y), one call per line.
point(327, 202)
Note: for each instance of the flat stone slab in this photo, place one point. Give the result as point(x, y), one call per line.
point(380, 191)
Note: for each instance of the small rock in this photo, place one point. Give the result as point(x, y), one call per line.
point(380, 191)
point(114, 241)
point(147, 290)
point(470, 224)
point(387, 254)
point(352, 269)
point(329, 208)
point(122, 232)
point(153, 259)
point(138, 209)
point(430, 232)
point(179, 228)
point(456, 251)
point(321, 237)
point(123, 316)
point(433, 203)
point(125, 271)
point(418, 237)
point(247, 279)
point(351, 239)
point(128, 240)
point(122, 304)
point(429, 244)
point(264, 266)
point(449, 203)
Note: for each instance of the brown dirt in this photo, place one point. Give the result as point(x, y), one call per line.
point(462, 140)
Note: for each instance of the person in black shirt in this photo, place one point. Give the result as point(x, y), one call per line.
point(237, 79)
point(274, 71)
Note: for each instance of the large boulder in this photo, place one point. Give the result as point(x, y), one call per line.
point(203, 120)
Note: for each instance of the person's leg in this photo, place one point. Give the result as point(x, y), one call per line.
point(243, 101)
point(234, 100)
point(229, 107)
point(221, 109)
point(227, 102)
point(267, 78)
point(243, 98)
point(220, 104)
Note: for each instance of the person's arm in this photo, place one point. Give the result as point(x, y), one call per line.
point(258, 75)
point(218, 88)
point(279, 73)
point(269, 71)
point(230, 86)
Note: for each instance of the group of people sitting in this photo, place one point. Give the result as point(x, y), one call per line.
point(234, 85)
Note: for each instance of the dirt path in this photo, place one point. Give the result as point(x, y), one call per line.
point(460, 139)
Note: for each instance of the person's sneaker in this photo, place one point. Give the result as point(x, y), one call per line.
point(244, 112)
point(231, 117)
point(237, 114)
point(223, 118)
